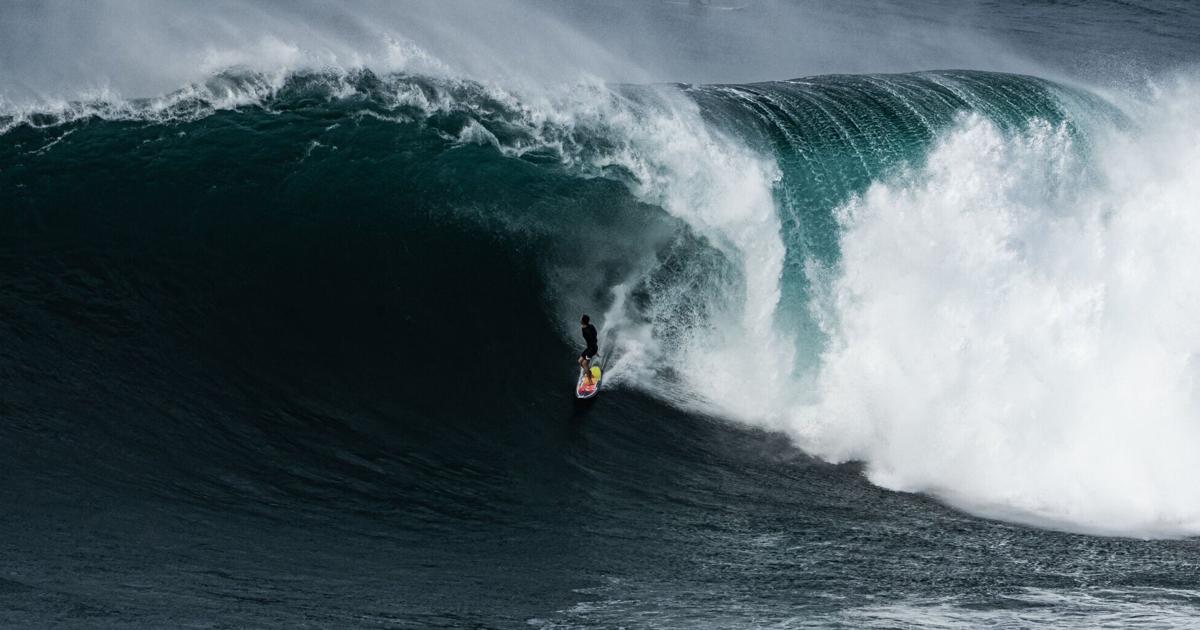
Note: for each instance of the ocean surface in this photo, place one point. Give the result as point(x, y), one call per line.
point(900, 303)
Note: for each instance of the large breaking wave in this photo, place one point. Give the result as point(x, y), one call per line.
point(978, 284)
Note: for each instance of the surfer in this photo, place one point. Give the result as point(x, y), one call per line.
point(589, 335)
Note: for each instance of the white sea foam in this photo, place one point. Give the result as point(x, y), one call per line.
point(1015, 327)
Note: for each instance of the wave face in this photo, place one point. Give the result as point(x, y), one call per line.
point(344, 303)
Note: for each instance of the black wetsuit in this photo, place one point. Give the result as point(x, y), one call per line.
point(589, 335)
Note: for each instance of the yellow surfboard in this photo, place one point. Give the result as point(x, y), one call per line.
point(585, 390)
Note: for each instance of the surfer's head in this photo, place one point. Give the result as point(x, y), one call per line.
point(584, 320)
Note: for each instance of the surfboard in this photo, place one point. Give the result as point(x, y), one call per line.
point(582, 389)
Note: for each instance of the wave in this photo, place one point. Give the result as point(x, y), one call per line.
point(975, 283)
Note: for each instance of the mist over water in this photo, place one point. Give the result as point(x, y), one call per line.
point(899, 301)
point(62, 50)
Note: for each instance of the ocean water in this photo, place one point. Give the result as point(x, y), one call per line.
point(899, 300)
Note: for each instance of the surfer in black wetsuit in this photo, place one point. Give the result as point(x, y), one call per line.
point(589, 335)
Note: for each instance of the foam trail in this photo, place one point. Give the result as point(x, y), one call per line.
point(724, 192)
point(1015, 327)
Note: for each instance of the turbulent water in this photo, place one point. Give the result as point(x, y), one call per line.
point(294, 347)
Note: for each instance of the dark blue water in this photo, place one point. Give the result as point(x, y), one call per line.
point(296, 351)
